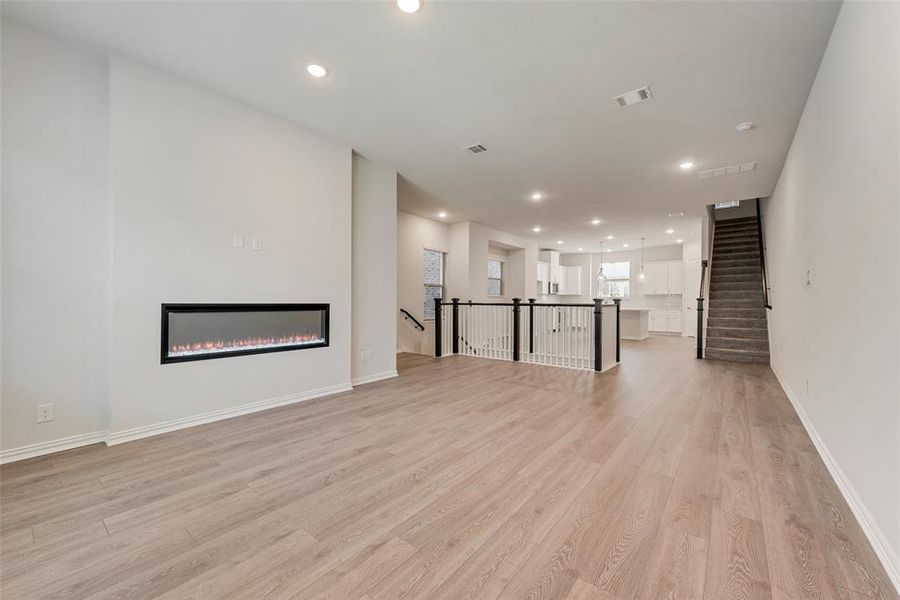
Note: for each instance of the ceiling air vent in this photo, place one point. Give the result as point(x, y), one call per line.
point(633, 97)
point(729, 170)
point(475, 149)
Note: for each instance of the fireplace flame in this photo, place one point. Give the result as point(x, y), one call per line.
point(251, 343)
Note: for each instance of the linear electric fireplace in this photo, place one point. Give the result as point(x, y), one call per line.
point(204, 331)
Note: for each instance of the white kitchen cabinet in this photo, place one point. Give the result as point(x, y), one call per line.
point(658, 320)
point(657, 281)
point(673, 321)
point(663, 277)
point(665, 320)
point(570, 280)
point(551, 257)
point(675, 277)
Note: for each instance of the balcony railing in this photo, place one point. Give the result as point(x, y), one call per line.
point(575, 336)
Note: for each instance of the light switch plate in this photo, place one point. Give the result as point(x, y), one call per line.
point(256, 243)
point(237, 240)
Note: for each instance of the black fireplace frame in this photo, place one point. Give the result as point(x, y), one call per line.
point(167, 308)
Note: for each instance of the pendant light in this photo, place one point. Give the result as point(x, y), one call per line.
point(641, 276)
point(601, 275)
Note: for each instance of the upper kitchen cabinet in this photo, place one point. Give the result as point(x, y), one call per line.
point(570, 280)
point(663, 277)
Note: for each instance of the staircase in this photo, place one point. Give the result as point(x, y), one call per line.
point(737, 328)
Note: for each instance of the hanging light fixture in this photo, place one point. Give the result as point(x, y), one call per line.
point(601, 275)
point(641, 276)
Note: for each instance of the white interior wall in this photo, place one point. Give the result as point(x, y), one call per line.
point(55, 270)
point(835, 211)
point(415, 234)
point(521, 275)
point(373, 332)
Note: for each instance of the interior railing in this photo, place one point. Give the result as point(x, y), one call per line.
point(562, 335)
point(704, 269)
point(408, 316)
point(705, 275)
point(762, 256)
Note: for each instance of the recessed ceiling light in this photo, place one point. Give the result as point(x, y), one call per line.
point(537, 196)
point(559, 241)
point(744, 126)
point(679, 241)
point(676, 214)
point(536, 230)
point(670, 231)
point(595, 222)
point(581, 249)
point(686, 165)
point(316, 70)
point(409, 6)
point(442, 215)
point(609, 237)
point(624, 245)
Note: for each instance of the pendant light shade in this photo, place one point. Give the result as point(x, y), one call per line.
point(601, 276)
point(641, 276)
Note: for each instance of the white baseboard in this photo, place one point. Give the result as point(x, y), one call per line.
point(374, 377)
point(880, 545)
point(136, 433)
point(66, 443)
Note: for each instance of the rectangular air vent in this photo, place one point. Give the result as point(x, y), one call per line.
point(728, 204)
point(633, 97)
point(729, 170)
point(475, 149)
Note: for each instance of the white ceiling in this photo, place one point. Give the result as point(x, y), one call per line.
point(532, 81)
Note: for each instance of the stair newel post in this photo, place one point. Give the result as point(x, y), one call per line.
point(516, 310)
point(437, 327)
point(531, 325)
point(455, 325)
point(699, 327)
point(618, 302)
point(598, 334)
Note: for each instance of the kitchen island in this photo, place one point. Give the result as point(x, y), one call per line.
point(635, 323)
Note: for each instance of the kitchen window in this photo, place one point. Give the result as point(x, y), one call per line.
point(433, 276)
point(495, 278)
point(618, 280)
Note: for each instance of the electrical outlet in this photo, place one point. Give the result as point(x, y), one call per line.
point(366, 354)
point(44, 413)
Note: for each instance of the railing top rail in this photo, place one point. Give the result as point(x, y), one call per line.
point(524, 304)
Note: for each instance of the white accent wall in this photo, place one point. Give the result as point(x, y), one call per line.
point(189, 168)
point(123, 187)
point(836, 211)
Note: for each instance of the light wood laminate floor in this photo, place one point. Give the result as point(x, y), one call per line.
point(666, 477)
